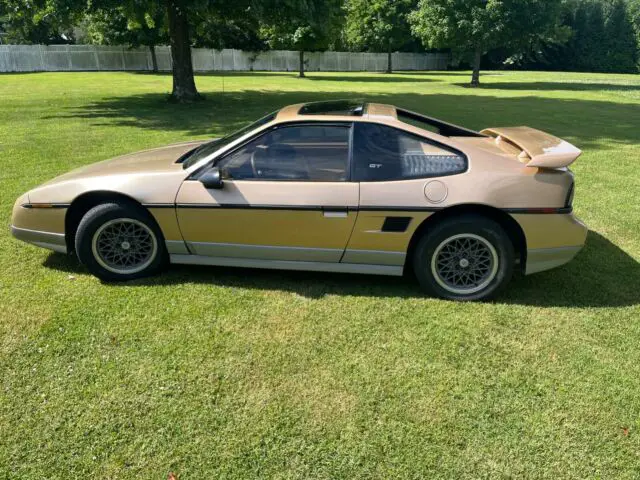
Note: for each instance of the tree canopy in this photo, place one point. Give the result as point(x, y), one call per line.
point(634, 14)
point(601, 36)
point(310, 25)
point(36, 22)
point(379, 25)
point(621, 44)
point(588, 35)
point(139, 25)
point(481, 25)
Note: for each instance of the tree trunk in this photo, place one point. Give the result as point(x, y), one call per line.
point(154, 58)
point(475, 76)
point(184, 85)
point(301, 74)
point(389, 63)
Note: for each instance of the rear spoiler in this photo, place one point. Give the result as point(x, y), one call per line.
point(539, 149)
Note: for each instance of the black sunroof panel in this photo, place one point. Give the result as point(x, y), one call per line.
point(333, 107)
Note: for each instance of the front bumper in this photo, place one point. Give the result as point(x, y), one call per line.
point(49, 240)
point(43, 227)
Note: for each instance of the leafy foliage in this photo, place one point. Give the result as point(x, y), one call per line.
point(35, 22)
point(134, 27)
point(621, 47)
point(217, 32)
point(584, 35)
point(477, 26)
point(304, 26)
point(378, 25)
point(138, 27)
point(602, 38)
point(634, 17)
point(465, 25)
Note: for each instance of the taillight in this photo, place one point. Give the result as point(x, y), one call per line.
point(569, 201)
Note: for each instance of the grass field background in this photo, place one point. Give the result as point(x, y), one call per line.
point(221, 373)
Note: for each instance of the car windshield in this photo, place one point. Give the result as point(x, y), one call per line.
point(206, 149)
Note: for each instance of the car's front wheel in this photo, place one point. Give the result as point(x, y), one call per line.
point(464, 258)
point(120, 242)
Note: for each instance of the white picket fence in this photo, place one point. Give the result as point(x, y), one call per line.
point(65, 58)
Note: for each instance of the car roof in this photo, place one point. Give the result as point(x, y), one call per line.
point(336, 110)
point(350, 110)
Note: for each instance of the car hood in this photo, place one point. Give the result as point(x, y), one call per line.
point(155, 160)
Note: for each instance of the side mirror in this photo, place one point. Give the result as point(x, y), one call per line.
point(212, 179)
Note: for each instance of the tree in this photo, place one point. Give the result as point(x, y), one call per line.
point(181, 17)
point(303, 26)
point(178, 14)
point(35, 22)
point(634, 14)
point(592, 51)
point(602, 37)
point(177, 11)
point(301, 38)
point(477, 26)
point(184, 84)
point(242, 33)
point(578, 48)
point(184, 16)
point(144, 24)
point(620, 47)
point(379, 25)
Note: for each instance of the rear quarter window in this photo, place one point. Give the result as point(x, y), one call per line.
point(383, 153)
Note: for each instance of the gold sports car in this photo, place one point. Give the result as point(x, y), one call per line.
point(337, 186)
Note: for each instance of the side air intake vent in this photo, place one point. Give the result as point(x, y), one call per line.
point(396, 224)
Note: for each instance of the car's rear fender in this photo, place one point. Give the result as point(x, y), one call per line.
point(506, 221)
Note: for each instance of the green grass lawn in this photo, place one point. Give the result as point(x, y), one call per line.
point(223, 373)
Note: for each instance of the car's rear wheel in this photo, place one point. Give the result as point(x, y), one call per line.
point(120, 242)
point(464, 258)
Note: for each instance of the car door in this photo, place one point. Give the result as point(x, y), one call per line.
point(403, 181)
point(285, 195)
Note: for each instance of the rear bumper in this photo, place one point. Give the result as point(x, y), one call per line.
point(552, 240)
point(541, 259)
point(49, 240)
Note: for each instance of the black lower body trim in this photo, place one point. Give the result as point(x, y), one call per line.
point(159, 205)
point(538, 211)
point(45, 205)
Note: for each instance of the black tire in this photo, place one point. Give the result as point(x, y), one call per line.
point(493, 252)
point(151, 258)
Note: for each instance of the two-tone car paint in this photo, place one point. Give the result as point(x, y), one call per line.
point(338, 226)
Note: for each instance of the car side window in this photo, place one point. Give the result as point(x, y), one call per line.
point(383, 153)
point(311, 153)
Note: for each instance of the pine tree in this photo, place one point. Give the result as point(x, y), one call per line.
point(593, 52)
point(621, 47)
